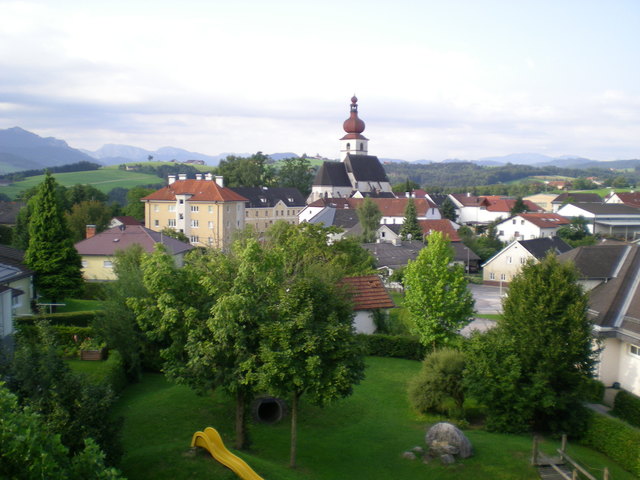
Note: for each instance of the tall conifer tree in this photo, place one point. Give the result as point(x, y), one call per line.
point(410, 225)
point(51, 254)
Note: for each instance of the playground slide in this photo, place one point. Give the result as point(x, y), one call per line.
point(211, 441)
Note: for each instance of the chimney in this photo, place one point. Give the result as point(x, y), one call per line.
point(90, 231)
point(413, 194)
point(208, 176)
point(407, 194)
point(220, 181)
point(198, 176)
point(182, 176)
point(171, 179)
point(468, 194)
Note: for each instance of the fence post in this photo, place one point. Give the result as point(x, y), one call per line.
point(563, 447)
point(534, 454)
point(574, 474)
point(605, 476)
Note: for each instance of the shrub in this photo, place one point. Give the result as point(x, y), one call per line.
point(398, 346)
point(93, 291)
point(439, 381)
point(627, 407)
point(615, 439)
point(594, 390)
point(67, 338)
point(79, 319)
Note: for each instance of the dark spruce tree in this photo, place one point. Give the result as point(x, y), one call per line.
point(410, 226)
point(51, 254)
point(448, 210)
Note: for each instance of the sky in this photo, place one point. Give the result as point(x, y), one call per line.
point(435, 79)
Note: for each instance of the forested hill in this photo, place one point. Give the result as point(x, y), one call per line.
point(458, 174)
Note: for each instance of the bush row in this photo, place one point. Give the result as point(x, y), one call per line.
point(594, 390)
point(67, 337)
point(79, 319)
point(616, 439)
point(398, 346)
point(627, 407)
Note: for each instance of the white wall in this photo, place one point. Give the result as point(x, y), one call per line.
point(363, 322)
point(618, 365)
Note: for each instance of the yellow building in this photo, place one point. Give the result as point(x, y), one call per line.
point(203, 209)
point(98, 251)
point(267, 205)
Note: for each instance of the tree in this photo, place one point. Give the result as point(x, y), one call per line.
point(529, 371)
point(518, 207)
point(296, 173)
point(410, 226)
point(51, 254)
point(83, 193)
point(250, 171)
point(575, 232)
point(88, 212)
point(369, 215)
point(436, 295)
point(170, 232)
point(311, 348)
point(134, 207)
point(448, 210)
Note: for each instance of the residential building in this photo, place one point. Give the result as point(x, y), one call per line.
point(124, 220)
point(476, 211)
point(203, 209)
point(631, 199)
point(526, 226)
point(507, 263)
point(98, 251)
point(543, 200)
point(607, 219)
point(345, 219)
point(577, 197)
point(16, 289)
point(391, 232)
point(610, 272)
point(368, 296)
point(267, 205)
point(357, 171)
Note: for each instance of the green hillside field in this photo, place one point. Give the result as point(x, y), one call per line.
point(104, 180)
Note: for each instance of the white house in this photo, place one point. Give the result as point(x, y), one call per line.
point(610, 219)
point(367, 295)
point(526, 226)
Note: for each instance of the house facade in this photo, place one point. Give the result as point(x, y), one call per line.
point(98, 251)
point(16, 289)
point(526, 226)
point(507, 263)
point(203, 209)
point(607, 219)
point(631, 199)
point(610, 272)
point(368, 295)
point(266, 205)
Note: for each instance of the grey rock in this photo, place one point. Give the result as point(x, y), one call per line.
point(444, 437)
point(409, 455)
point(447, 459)
point(418, 450)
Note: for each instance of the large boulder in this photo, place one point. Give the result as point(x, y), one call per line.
point(446, 439)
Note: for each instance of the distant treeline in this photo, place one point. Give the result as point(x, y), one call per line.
point(468, 174)
point(72, 167)
point(163, 171)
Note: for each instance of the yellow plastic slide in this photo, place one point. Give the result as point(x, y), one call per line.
point(211, 441)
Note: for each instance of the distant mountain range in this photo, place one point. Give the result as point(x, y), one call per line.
point(23, 150)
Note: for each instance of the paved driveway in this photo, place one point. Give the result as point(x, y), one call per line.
point(488, 300)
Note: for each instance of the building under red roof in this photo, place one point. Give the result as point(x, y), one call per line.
point(545, 220)
point(443, 225)
point(389, 207)
point(368, 293)
point(200, 191)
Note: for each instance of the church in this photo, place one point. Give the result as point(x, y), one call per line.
point(358, 174)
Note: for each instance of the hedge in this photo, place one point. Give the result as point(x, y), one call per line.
point(627, 406)
point(79, 319)
point(398, 346)
point(616, 439)
point(67, 336)
point(594, 390)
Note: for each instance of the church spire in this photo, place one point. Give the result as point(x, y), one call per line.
point(353, 143)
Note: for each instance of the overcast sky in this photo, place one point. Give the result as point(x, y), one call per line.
point(435, 79)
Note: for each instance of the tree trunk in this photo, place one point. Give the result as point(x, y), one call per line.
point(294, 429)
point(240, 420)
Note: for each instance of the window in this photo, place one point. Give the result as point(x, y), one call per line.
point(210, 208)
point(501, 233)
point(523, 260)
point(228, 209)
point(509, 260)
point(156, 222)
point(195, 223)
point(521, 222)
point(181, 201)
point(210, 224)
point(194, 239)
point(181, 216)
point(516, 234)
point(156, 208)
point(348, 146)
point(195, 208)
point(16, 301)
point(107, 264)
point(361, 146)
point(634, 350)
point(492, 276)
point(84, 264)
point(503, 276)
point(172, 208)
point(172, 222)
point(514, 221)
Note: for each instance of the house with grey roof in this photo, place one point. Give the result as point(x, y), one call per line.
point(608, 219)
point(98, 251)
point(16, 289)
point(610, 272)
point(507, 263)
point(266, 205)
point(576, 197)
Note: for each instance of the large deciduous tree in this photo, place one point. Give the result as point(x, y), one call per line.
point(530, 370)
point(296, 173)
point(369, 215)
point(436, 294)
point(88, 212)
point(410, 226)
point(135, 208)
point(51, 254)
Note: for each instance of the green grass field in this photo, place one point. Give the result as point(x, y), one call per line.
point(104, 180)
point(362, 436)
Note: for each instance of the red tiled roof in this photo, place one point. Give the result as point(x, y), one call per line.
point(545, 220)
point(368, 293)
point(630, 198)
point(501, 204)
point(200, 191)
point(442, 225)
point(390, 207)
point(469, 200)
point(128, 220)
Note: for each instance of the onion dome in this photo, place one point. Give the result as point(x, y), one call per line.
point(353, 124)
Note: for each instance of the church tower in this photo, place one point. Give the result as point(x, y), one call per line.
point(353, 143)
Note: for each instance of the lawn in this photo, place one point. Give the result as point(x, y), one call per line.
point(103, 179)
point(362, 436)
